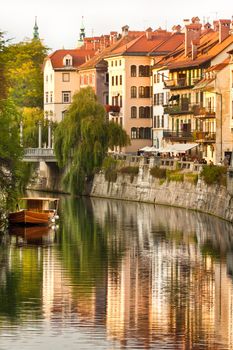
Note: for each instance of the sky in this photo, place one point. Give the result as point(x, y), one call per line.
point(59, 20)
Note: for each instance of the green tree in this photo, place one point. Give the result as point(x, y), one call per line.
point(83, 138)
point(23, 69)
point(10, 150)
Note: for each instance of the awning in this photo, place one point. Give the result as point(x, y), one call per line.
point(174, 98)
point(178, 147)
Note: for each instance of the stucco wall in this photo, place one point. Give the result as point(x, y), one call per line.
point(144, 188)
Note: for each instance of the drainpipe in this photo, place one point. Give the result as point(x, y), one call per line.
point(39, 134)
point(49, 134)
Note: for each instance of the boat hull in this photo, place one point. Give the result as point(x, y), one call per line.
point(28, 217)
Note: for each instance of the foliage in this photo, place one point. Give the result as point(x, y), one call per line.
point(214, 174)
point(82, 139)
point(23, 70)
point(110, 172)
point(10, 150)
point(158, 172)
point(31, 117)
point(131, 170)
point(173, 175)
point(190, 177)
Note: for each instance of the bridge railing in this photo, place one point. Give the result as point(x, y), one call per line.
point(39, 152)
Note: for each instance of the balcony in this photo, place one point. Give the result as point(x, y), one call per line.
point(204, 112)
point(113, 110)
point(178, 135)
point(183, 108)
point(204, 136)
point(181, 83)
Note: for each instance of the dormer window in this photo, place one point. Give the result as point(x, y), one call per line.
point(67, 61)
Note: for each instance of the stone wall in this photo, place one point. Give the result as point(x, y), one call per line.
point(214, 199)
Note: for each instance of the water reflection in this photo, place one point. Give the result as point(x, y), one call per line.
point(119, 275)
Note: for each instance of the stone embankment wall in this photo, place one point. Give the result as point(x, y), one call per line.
point(216, 200)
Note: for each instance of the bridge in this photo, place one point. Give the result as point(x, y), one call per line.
point(36, 155)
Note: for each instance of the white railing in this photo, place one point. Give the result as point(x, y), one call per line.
point(39, 152)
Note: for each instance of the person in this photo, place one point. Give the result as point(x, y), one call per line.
point(225, 161)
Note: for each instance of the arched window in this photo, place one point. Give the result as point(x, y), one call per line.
point(133, 92)
point(133, 71)
point(141, 91)
point(144, 71)
point(147, 112)
point(133, 133)
point(141, 112)
point(147, 133)
point(133, 112)
point(141, 133)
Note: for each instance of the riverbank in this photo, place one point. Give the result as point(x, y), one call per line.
point(211, 199)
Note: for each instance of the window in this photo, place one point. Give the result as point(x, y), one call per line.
point(63, 114)
point(133, 71)
point(144, 71)
point(66, 96)
point(51, 97)
point(119, 62)
point(162, 121)
point(133, 92)
point(161, 98)
point(144, 112)
point(141, 91)
point(112, 63)
point(115, 63)
point(46, 78)
point(107, 78)
point(120, 79)
point(144, 91)
point(133, 112)
point(158, 122)
point(46, 97)
point(117, 80)
point(133, 133)
point(141, 133)
point(155, 119)
point(120, 101)
point(65, 77)
point(147, 133)
point(112, 81)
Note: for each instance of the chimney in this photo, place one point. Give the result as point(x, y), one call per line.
point(216, 26)
point(125, 31)
point(149, 33)
point(192, 32)
point(176, 29)
point(224, 29)
point(194, 46)
point(113, 37)
point(207, 26)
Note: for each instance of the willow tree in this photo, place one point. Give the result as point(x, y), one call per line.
point(83, 138)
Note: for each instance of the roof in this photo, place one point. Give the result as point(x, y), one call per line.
point(79, 57)
point(143, 44)
point(106, 52)
point(208, 48)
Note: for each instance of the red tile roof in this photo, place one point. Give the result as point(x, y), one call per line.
point(209, 48)
point(79, 57)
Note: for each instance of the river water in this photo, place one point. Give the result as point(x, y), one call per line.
point(118, 275)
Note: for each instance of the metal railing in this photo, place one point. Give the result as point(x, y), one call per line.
point(205, 136)
point(39, 152)
point(178, 135)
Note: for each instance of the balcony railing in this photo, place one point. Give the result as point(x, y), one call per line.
point(204, 111)
point(205, 136)
point(178, 135)
point(181, 83)
point(183, 108)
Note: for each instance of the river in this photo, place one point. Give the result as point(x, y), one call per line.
point(118, 275)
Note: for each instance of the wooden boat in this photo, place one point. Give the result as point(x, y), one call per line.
point(38, 211)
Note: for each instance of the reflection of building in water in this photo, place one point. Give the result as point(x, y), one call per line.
point(164, 285)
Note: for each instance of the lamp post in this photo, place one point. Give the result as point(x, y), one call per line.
point(21, 133)
point(39, 134)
